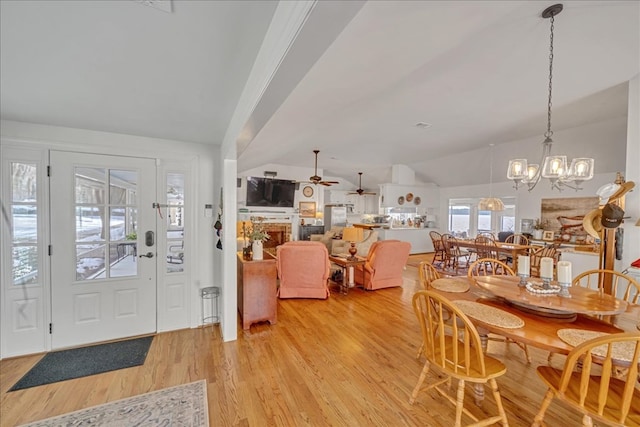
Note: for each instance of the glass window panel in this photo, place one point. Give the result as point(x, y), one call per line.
point(131, 219)
point(484, 221)
point(175, 256)
point(25, 223)
point(123, 259)
point(90, 185)
point(459, 220)
point(90, 261)
point(122, 183)
point(508, 223)
point(90, 223)
point(117, 224)
point(25, 265)
point(23, 182)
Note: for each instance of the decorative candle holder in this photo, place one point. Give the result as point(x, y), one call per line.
point(546, 282)
point(523, 280)
point(564, 290)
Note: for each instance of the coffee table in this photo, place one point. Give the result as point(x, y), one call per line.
point(347, 265)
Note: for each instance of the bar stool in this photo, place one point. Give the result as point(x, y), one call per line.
point(210, 293)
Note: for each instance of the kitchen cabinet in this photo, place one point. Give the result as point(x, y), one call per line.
point(364, 204)
point(308, 230)
point(418, 237)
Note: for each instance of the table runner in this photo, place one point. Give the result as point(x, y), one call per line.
point(491, 315)
point(622, 351)
point(451, 284)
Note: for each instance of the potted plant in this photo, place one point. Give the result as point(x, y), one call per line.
point(257, 235)
point(538, 229)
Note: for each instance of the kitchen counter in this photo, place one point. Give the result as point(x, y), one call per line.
point(368, 226)
point(418, 237)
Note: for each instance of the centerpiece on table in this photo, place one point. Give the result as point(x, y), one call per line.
point(257, 235)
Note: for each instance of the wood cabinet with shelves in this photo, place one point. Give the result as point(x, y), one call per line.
point(257, 289)
point(308, 230)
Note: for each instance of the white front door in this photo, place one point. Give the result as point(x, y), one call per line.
point(103, 238)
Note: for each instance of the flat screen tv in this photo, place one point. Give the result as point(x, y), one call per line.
point(270, 192)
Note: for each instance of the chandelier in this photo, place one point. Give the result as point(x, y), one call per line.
point(554, 167)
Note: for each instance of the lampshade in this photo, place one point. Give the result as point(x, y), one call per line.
point(491, 204)
point(352, 234)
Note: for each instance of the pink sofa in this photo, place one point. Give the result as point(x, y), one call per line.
point(384, 266)
point(303, 268)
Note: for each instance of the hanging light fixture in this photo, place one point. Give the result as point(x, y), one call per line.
point(554, 167)
point(491, 203)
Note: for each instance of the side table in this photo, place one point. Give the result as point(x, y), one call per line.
point(257, 290)
point(347, 270)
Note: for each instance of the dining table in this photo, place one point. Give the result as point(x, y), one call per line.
point(512, 250)
point(536, 320)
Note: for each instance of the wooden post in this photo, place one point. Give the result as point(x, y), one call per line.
point(608, 244)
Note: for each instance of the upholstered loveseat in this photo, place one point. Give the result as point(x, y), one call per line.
point(342, 246)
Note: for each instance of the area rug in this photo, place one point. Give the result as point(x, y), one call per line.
point(180, 406)
point(415, 260)
point(81, 362)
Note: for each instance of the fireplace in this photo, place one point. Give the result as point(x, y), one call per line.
point(279, 233)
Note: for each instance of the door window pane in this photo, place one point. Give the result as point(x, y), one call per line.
point(25, 265)
point(24, 223)
point(90, 261)
point(23, 182)
point(102, 224)
point(90, 223)
point(90, 185)
point(175, 222)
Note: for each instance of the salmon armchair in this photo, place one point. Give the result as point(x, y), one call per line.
point(303, 268)
point(385, 262)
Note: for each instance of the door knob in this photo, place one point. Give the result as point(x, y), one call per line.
point(148, 255)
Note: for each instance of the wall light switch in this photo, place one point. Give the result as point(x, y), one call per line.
point(208, 211)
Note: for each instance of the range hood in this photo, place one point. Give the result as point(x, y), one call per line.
point(403, 175)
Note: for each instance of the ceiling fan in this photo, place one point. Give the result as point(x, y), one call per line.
point(360, 191)
point(315, 179)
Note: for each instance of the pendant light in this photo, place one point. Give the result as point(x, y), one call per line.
point(554, 168)
point(491, 203)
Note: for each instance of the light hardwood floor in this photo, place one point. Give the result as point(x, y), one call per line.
point(345, 361)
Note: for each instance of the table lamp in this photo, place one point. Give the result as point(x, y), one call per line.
point(353, 235)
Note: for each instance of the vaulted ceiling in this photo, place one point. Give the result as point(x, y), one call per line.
point(475, 71)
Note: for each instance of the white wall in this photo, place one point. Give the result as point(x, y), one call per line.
point(631, 242)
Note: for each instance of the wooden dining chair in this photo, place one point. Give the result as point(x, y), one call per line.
point(453, 253)
point(517, 239)
point(592, 389)
point(439, 255)
point(550, 251)
point(486, 246)
point(489, 267)
point(620, 285)
point(427, 273)
point(452, 348)
point(494, 267)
